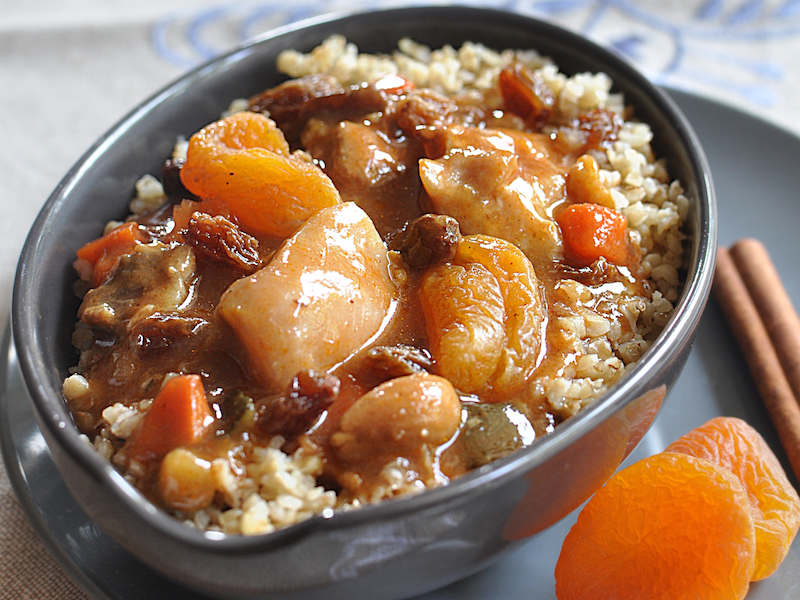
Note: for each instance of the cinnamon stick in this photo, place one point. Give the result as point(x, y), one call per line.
point(773, 304)
point(762, 358)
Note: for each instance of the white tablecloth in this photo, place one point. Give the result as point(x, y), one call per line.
point(69, 69)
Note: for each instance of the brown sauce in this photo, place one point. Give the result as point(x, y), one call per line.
point(370, 147)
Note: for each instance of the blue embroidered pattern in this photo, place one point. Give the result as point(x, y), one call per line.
point(688, 48)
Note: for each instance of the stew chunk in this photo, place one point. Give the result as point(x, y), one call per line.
point(484, 315)
point(406, 418)
point(153, 278)
point(498, 183)
point(322, 296)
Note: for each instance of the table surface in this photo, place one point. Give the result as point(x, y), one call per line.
point(69, 69)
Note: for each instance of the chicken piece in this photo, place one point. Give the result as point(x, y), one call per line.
point(355, 156)
point(500, 184)
point(324, 294)
point(154, 278)
point(368, 167)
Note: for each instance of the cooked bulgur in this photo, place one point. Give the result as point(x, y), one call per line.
point(595, 330)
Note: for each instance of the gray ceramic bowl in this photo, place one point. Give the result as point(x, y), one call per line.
point(402, 547)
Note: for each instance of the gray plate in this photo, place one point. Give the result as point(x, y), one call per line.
point(755, 173)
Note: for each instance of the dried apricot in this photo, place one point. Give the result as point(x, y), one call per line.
point(523, 304)
point(465, 318)
point(774, 503)
point(484, 314)
point(669, 526)
point(241, 167)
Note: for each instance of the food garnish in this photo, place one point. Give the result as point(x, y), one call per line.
point(767, 329)
point(702, 519)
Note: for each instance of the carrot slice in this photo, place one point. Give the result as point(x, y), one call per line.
point(105, 252)
point(179, 416)
point(592, 231)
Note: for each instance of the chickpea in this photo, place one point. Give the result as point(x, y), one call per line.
point(185, 481)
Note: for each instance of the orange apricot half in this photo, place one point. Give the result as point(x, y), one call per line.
point(241, 167)
point(774, 503)
point(669, 526)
